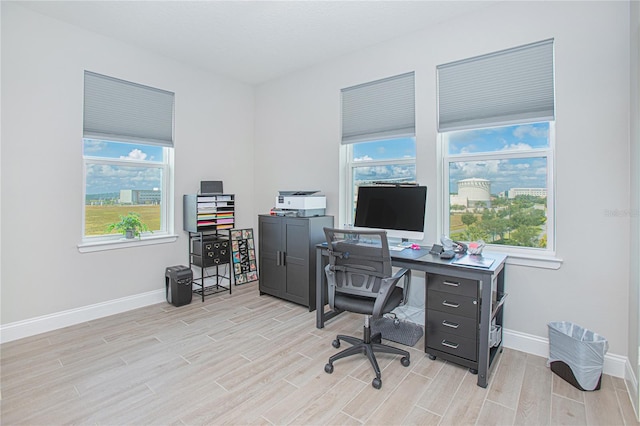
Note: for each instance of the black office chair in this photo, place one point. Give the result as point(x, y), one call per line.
point(359, 279)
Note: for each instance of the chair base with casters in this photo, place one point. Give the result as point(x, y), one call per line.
point(368, 345)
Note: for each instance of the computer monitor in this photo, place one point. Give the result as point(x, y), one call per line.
point(398, 209)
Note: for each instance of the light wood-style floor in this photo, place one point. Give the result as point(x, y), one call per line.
point(251, 359)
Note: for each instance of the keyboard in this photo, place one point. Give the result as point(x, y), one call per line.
point(392, 247)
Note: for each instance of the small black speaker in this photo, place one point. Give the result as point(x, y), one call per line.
point(211, 187)
point(178, 282)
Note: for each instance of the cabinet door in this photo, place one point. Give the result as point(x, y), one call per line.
point(297, 261)
point(272, 271)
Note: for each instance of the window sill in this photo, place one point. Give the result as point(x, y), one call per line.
point(544, 262)
point(523, 257)
point(90, 247)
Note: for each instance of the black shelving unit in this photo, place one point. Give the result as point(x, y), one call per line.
point(209, 218)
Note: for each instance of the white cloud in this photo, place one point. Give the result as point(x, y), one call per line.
point(135, 154)
point(92, 145)
point(529, 130)
point(363, 158)
point(479, 168)
point(520, 146)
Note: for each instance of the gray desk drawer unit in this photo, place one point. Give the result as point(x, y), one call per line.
point(452, 317)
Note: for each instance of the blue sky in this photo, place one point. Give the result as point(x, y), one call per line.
point(385, 149)
point(499, 139)
point(104, 149)
point(530, 172)
point(107, 178)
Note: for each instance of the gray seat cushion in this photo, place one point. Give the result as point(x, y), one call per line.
point(364, 305)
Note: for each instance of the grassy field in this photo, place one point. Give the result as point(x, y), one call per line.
point(98, 217)
point(456, 226)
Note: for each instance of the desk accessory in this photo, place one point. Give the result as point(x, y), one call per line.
point(447, 254)
point(474, 260)
point(475, 247)
point(436, 249)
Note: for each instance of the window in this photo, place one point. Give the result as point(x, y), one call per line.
point(389, 160)
point(498, 185)
point(128, 156)
point(122, 178)
point(496, 121)
point(378, 134)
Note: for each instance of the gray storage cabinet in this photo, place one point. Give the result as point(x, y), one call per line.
point(286, 252)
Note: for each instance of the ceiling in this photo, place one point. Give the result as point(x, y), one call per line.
point(253, 41)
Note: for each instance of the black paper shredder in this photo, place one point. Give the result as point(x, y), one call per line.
point(178, 280)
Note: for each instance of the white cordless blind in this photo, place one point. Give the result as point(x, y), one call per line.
point(119, 110)
point(379, 109)
point(506, 87)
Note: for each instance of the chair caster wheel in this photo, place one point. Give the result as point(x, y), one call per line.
point(377, 383)
point(405, 361)
point(432, 357)
point(336, 343)
point(328, 368)
point(473, 371)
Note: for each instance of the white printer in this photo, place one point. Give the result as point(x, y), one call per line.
point(300, 203)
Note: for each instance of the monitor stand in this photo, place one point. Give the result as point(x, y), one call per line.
point(399, 246)
point(405, 243)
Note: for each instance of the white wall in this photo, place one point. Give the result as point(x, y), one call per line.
point(298, 131)
point(43, 61)
point(634, 251)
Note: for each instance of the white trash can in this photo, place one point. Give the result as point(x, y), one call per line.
point(576, 354)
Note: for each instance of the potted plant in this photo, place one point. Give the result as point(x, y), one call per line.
point(130, 225)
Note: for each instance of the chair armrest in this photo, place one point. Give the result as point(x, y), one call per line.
point(406, 273)
point(331, 285)
point(386, 288)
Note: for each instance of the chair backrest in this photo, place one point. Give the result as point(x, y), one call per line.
point(358, 261)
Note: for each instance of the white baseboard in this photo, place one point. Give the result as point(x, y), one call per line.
point(614, 365)
point(632, 387)
point(20, 329)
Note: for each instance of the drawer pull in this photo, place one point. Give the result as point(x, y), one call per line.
point(450, 283)
point(450, 344)
point(450, 324)
point(450, 305)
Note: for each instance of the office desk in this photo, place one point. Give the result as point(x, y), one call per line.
point(481, 284)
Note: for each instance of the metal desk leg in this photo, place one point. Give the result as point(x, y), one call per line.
point(320, 296)
point(485, 326)
point(321, 290)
